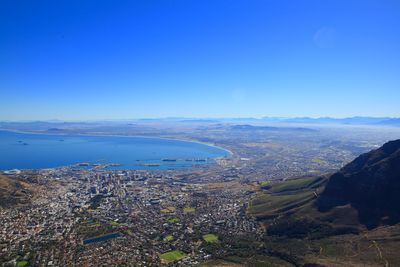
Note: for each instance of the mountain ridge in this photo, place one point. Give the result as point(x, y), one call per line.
point(370, 183)
point(348, 218)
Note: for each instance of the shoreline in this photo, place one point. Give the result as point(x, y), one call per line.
point(228, 155)
point(118, 135)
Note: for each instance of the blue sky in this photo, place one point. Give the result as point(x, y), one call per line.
point(78, 60)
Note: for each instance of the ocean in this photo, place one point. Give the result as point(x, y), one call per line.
point(37, 151)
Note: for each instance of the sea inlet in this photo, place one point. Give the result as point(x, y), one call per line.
point(37, 151)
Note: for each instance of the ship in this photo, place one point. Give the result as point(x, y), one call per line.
point(169, 159)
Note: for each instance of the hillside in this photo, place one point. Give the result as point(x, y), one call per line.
point(349, 218)
point(371, 184)
point(14, 191)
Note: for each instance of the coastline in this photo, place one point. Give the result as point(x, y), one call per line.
point(226, 153)
point(126, 136)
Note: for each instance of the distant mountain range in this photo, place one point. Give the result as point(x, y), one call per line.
point(387, 121)
point(359, 120)
point(247, 127)
point(329, 120)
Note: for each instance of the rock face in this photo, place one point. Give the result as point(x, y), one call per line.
point(371, 184)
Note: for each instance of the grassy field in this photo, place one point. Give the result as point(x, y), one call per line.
point(90, 229)
point(116, 224)
point(22, 263)
point(168, 209)
point(189, 210)
point(210, 238)
point(172, 256)
point(286, 197)
point(269, 205)
point(169, 238)
point(295, 184)
point(172, 220)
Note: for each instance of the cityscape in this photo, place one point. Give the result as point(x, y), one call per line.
point(86, 213)
point(212, 133)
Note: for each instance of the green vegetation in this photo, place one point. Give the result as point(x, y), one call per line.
point(297, 184)
point(90, 229)
point(298, 233)
point(116, 224)
point(286, 197)
point(340, 220)
point(168, 209)
point(96, 201)
point(172, 256)
point(22, 263)
point(210, 238)
point(265, 185)
point(189, 210)
point(269, 205)
point(168, 238)
point(318, 160)
point(173, 220)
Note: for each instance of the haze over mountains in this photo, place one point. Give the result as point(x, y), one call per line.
point(352, 120)
point(357, 120)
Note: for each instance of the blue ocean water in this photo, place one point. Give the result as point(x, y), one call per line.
point(34, 151)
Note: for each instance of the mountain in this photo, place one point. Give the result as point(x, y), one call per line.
point(14, 191)
point(358, 120)
point(349, 218)
point(395, 122)
point(371, 184)
point(199, 121)
point(247, 127)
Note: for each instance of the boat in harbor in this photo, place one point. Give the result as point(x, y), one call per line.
point(169, 159)
point(151, 164)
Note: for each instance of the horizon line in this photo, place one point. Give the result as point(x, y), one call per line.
point(202, 118)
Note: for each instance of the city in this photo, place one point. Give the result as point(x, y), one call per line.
point(88, 213)
point(212, 133)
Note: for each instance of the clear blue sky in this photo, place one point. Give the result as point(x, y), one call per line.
point(74, 60)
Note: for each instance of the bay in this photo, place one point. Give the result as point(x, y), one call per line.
point(35, 151)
